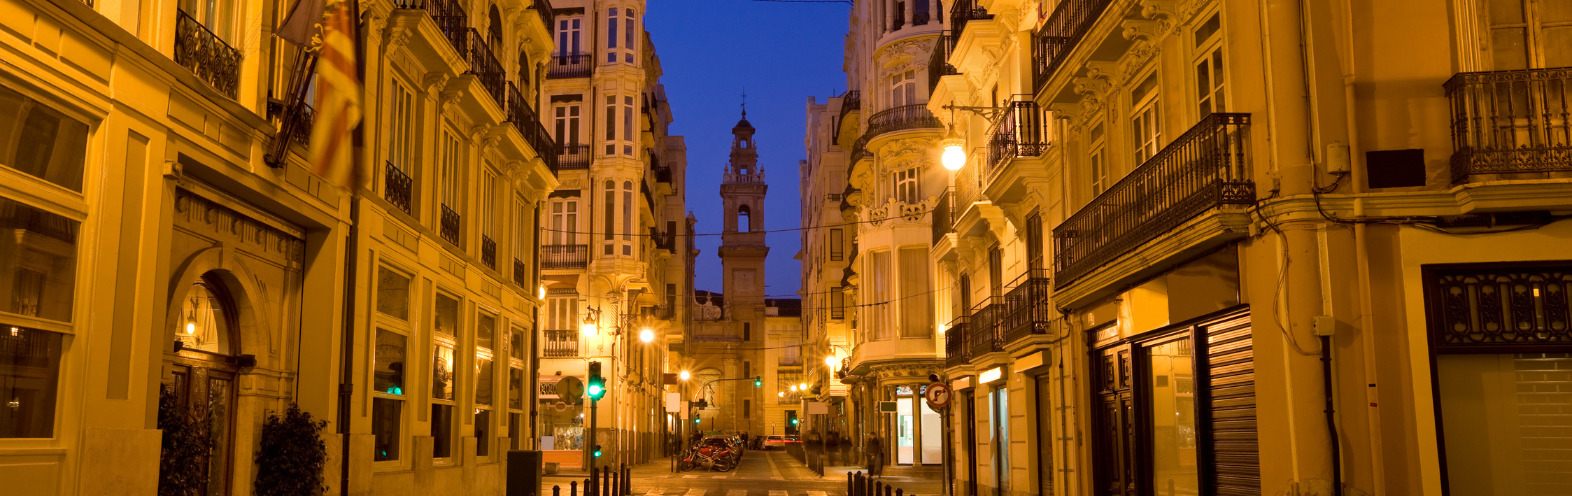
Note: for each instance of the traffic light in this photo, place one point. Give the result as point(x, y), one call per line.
point(597, 386)
point(695, 421)
point(794, 421)
point(597, 451)
point(758, 381)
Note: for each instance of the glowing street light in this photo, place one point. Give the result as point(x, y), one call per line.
point(589, 328)
point(954, 150)
point(684, 375)
point(829, 361)
point(646, 335)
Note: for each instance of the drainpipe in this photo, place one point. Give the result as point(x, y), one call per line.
point(1362, 263)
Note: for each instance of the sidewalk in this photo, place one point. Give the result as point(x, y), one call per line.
point(924, 479)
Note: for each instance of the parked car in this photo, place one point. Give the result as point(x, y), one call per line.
point(775, 442)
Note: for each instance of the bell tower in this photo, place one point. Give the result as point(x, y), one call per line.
point(742, 249)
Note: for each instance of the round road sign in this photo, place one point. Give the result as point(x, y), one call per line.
point(937, 395)
point(570, 390)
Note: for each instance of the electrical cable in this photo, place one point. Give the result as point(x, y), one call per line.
point(594, 234)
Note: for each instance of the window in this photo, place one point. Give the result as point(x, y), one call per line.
point(747, 369)
point(995, 271)
point(879, 311)
point(612, 25)
point(392, 293)
point(29, 380)
point(1170, 374)
point(610, 226)
point(747, 331)
point(218, 17)
point(838, 303)
point(1034, 244)
point(562, 312)
point(916, 320)
point(1096, 160)
point(620, 34)
point(522, 247)
point(485, 335)
point(627, 125)
point(1529, 34)
point(1000, 431)
point(494, 28)
point(837, 245)
point(401, 134)
point(443, 375)
point(564, 220)
point(627, 218)
point(40, 141)
point(41, 248)
point(516, 362)
point(906, 186)
point(568, 124)
point(450, 160)
point(387, 402)
point(903, 89)
point(611, 124)
point(1144, 124)
point(747, 408)
point(1209, 75)
point(628, 34)
point(743, 223)
point(568, 38)
point(488, 198)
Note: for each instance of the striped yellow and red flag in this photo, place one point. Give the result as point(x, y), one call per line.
point(337, 100)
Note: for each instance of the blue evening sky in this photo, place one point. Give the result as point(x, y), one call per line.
point(782, 53)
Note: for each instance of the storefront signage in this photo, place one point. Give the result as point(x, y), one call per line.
point(888, 407)
point(818, 408)
point(990, 375)
point(1028, 362)
point(961, 383)
point(673, 402)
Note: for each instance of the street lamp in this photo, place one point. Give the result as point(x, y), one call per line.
point(780, 394)
point(794, 388)
point(829, 361)
point(803, 386)
point(646, 335)
point(684, 375)
point(954, 147)
point(589, 328)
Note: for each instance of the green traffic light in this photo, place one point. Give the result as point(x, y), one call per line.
point(695, 421)
point(758, 381)
point(793, 421)
point(597, 451)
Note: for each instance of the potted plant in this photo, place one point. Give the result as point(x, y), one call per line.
point(182, 461)
point(292, 455)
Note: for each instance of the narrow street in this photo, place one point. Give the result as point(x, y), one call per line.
point(761, 473)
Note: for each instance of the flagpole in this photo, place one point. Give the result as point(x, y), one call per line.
point(351, 250)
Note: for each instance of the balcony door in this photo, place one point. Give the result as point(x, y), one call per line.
point(1528, 34)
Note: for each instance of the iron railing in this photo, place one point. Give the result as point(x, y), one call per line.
point(1019, 132)
point(1509, 122)
point(545, 146)
point(574, 157)
point(208, 57)
point(985, 332)
point(547, 15)
point(859, 151)
point(851, 101)
point(663, 240)
point(915, 116)
point(574, 65)
point(483, 64)
point(834, 197)
point(396, 186)
point(449, 229)
point(521, 274)
point(743, 179)
point(955, 350)
point(939, 60)
point(1204, 168)
point(968, 188)
point(662, 173)
point(942, 223)
point(1059, 34)
point(488, 251)
point(447, 14)
point(560, 344)
point(966, 10)
point(564, 256)
point(1028, 305)
point(519, 111)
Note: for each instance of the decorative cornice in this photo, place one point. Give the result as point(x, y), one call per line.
point(434, 82)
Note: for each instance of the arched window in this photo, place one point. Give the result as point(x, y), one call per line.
point(205, 319)
point(494, 28)
point(743, 223)
point(202, 374)
point(525, 82)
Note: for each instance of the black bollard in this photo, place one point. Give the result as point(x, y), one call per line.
point(627, 479)
point(898, 492)
point(887, 490)
point(878, 488)
point(573, 488)
point(851, 484)
point(605, 481)
point(592, 485)
point(622, 468)
point(556, 490)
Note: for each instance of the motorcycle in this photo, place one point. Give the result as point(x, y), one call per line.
point(710, 458)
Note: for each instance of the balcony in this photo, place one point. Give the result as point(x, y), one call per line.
point(396, 186)
point(963, 11)
point(548, 17)
point(968, 188)
point(1061, 33)
point(1204, 168)
point(449, 229)
point(484, 66)
point(520, 274)
point(574, 157)
point(1028, 306)
point(1019, 132)
point(851, 101)
point(447, 14)
point(565, 66)
point(1511, 122)
point(488, 251)
point(955, 351)
point(985, 332)
point(663, 240)
point(942, 223)
point(743, 179)
point(208, 57)
point(564, 256)
point(939, 60)
point(662, 173)
point(559, 344)
point(902, 118)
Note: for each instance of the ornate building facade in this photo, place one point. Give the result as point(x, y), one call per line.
point(615, 244)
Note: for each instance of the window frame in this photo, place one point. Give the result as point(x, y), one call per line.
point(405, 327)
point(1146, 123)
point(1210, 53)
point(455, 366)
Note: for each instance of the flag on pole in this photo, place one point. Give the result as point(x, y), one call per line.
point(302, 22)
point(338, 92)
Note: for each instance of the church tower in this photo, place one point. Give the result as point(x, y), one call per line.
point(742, 253)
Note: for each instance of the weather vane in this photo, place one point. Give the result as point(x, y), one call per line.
point(744, 101)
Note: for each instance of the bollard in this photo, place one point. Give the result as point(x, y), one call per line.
point(592, 485)
point(573, 488)
point(627, 480)
point(851, 484)
point(878, 488)
point(626, 486)
point(556, 490)
point(887, 490)
point(899, 492)
point(605, 481)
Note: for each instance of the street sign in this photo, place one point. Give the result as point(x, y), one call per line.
point(818, 408)
point(888, 407)
point(673, 403)
point(570, 390)
point(938, 395)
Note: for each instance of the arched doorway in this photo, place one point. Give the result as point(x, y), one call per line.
point(204, 365)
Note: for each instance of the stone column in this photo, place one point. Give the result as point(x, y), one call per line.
point(911, 10)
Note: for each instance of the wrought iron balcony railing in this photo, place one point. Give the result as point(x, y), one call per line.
point(968, 188)
point(396, 186)
point(1509, 122)
point(449, 229)
point(663, 240)
point(564, 256)
point(447, 14)
point(985, 330)
point(942, 223)
point(488, 251)
point(483, 64)
point(540, 139)
point(966, 10)
point(1028, 306)
point(208, 57)
point(939, 60)
point(955, 350)
point(1206, 167)
point(519, 111)
point(574, 157)
point(662, 174)
point(743, 179)
point(547, 15)
point(1059, 34)
point(520, 274)
point(560, 344)
point(1019, 132)
point(575, 65)
point(915, 116)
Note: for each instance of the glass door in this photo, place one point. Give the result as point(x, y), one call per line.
point(932, 435)
point(905, 435)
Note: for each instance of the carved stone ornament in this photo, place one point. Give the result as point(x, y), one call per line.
point(899, 371)
point(1161, 12)
point(904, 54)
point(434, 82)
point(906, 153)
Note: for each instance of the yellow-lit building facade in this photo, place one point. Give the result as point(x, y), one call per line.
point(1180, 233)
